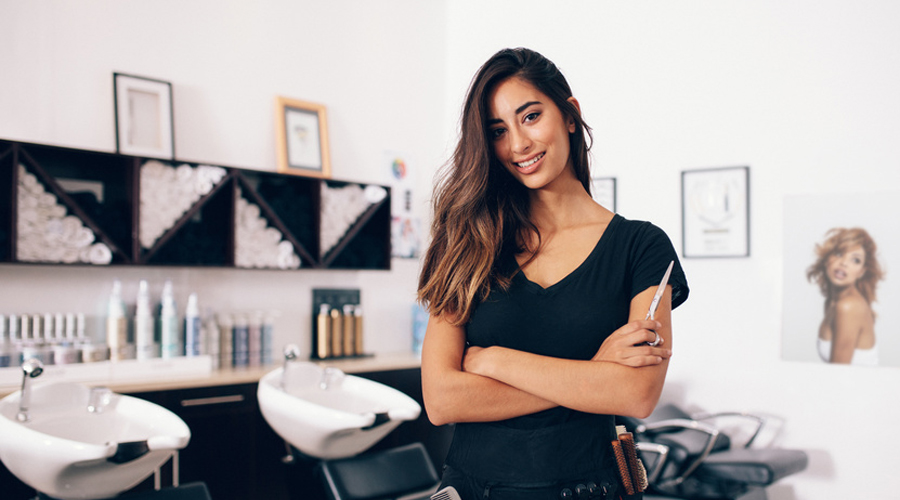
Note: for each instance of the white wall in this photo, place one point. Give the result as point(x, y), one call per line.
point(377, 66)
point(805, 93)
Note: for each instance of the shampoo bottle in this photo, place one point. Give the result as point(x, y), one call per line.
point(169, 332)
point(337, 333)
point(226, 345)
point(144, 325)
point(241, 342)
point(323, 332)
point(5, 355)
point(116, 325)
point(211, 342)
point(266, 340)
point(193, 340)
point(349, 331)
point(254, 340)
point(358, 326)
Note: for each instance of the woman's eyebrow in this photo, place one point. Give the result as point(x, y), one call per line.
point(521, 108)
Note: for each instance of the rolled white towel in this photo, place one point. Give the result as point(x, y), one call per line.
point(99, 254)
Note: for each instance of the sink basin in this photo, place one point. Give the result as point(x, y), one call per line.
point(326, 414)
point(67, 452)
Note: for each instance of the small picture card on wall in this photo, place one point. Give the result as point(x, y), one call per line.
point(144, 117)
point(715, 212)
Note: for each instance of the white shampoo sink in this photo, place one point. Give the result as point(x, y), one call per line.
point(79, 444)
point(326, 414)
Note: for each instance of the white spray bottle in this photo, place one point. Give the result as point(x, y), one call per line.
point(192, 328)
point(145, 325)
point(169, 331)
point(116, 325)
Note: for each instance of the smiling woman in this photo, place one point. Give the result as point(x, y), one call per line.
point(537, 298)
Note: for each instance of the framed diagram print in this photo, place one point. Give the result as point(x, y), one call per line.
point(715, 208)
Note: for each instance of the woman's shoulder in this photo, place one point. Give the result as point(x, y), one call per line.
point(852, 304)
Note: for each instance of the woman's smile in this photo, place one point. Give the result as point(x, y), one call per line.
point(529, 165)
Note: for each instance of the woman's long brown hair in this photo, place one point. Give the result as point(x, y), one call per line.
point(481, 213)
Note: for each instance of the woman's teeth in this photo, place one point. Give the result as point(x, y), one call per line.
point(526, 164)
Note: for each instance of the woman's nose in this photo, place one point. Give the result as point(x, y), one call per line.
point(520, 141)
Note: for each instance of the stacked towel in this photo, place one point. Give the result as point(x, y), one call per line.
point(342, 207)
point(256, 245)
point(168, 192)
point(47, 234)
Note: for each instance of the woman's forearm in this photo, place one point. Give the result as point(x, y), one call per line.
point(589, 386)
point(452, 395)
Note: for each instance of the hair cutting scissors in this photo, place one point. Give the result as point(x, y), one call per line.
point(655, 303)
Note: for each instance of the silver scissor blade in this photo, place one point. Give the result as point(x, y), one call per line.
point(659, 292)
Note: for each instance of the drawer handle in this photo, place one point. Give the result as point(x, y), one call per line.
point(217, 400)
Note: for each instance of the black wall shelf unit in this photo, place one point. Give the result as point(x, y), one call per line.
point(126, 210)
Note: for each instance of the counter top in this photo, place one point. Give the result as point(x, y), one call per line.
point(233, 376)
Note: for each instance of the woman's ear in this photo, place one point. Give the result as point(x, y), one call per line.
point(572, 125)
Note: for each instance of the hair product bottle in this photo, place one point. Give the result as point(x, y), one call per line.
point(266, 339)
point(254, 340)
point(192, 331)
point(169, 333)
point(337, 333)
point(226, 344)
point(5, 345)
point(241, 341)
point(323, 332)
point(349, 331)
point(116, 325)
point(211, 343)
point(358, 334)
point(144, 325)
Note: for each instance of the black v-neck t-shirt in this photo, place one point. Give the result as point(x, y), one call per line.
point(571, 318)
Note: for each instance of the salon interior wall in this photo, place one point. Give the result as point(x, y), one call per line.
point(377, 66)
point(805, 93)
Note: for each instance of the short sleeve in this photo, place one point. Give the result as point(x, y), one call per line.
point(651, 254)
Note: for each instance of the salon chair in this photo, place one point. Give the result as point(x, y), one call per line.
point(190, 491)
point(688, 457)
point(404, 471)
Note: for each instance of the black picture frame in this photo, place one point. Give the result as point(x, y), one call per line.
point(715, 212)
point(144, 115)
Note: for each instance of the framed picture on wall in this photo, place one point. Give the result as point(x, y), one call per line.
point(715, 210)
point(603, 190)
point(144, 117)
point(302, 135)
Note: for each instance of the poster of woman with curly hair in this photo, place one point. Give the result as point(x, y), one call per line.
point(837, 288)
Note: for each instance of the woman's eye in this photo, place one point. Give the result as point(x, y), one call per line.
point(530, 117)
point(495, 133)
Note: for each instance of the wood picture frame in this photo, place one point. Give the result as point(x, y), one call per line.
point(301, 131)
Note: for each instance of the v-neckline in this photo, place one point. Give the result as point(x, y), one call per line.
point(535, 287)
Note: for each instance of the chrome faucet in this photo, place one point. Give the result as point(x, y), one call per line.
point(99, 399)
point(31, 368)
point(331, 377)
point(291, 352)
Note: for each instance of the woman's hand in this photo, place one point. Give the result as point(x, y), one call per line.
point(627, 345)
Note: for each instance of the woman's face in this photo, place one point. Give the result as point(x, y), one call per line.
point(530, 135)
point(845, 268)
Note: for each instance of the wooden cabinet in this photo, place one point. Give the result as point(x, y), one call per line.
point(69, 206)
